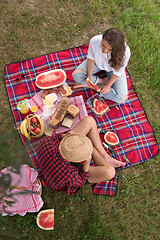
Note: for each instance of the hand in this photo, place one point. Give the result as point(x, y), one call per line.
point(90, 77)
point(68, 133)
point(105, 89)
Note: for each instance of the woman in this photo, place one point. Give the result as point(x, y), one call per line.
point(68, 170)
point(108, 52)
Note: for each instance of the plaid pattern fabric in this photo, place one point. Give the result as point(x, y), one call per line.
point(108, 188)
point(57, 172)
point(128, 121)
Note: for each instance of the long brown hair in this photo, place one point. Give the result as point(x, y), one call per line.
point(116, 40)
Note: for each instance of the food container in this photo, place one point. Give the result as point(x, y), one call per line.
point(98, 107)
point(32, 129)
point(23, 107)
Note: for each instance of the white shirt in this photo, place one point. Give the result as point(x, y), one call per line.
point(101, 59)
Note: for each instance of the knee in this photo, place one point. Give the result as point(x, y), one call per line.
point(90, 121)
point(121, 99)
point(110, 172)
point(77, 74)
point(124, 97)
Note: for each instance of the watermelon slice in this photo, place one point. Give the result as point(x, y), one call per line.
point(45, 219)
point(111, 138)
point(90, 83)
point(50, 79)
point(99, 107)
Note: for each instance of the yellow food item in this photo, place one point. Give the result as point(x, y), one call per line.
point(34, 109)
point(25, 110)
point(23, 128)
point(23, 107)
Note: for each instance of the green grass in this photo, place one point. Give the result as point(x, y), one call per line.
point(32, 28)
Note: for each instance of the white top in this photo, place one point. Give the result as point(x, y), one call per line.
point(101, 59)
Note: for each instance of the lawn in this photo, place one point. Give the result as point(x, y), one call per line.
point(31, 28)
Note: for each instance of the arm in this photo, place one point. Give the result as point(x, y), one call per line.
point(106, 88)
point(90, 66)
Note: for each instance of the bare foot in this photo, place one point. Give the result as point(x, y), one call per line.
point(115, 163)
point(99, 130)
point(78, 85)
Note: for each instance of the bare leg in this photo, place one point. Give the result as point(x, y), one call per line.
point(87, 126)
point(103, 171)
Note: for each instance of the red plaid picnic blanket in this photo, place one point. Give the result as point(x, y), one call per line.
point(128, 121)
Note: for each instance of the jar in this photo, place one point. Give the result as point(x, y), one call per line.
point(23, 107)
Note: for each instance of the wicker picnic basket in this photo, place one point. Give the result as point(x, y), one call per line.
point(24, 127)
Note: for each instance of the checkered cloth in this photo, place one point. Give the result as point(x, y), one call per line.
point(128, 121)
point(29, 201)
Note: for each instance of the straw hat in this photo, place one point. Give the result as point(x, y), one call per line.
point(76, 147)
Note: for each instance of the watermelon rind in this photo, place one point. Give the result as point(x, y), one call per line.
point(49, 72)
point(107, 137)
point(41, 213)
point(96, 110)
point(92, 85)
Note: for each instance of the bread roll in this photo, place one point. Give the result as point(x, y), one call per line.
point(60, 113)
point(54, 123)
point(72, 110)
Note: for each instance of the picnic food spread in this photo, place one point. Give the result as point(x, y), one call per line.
point(62, 114)
point(45, 219)
point(64, 108)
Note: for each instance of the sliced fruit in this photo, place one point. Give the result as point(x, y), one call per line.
point(34, 109)
point(89, 82)
point(45, 219)
point(111, 138)
point(50, 79)
point(99, 107)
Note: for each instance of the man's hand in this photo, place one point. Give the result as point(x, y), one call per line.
point(90, 77)
point(68, 133)
point(105, 89)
